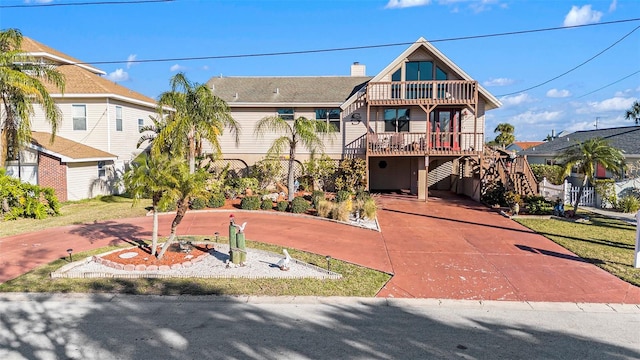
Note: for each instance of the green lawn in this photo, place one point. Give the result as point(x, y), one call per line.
point(605, 242)
point(355, 281)
point(79, 212)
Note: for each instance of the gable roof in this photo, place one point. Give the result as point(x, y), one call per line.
point(67, 150)
point(625, 138)
point(310, 90)
point(523, 145)
point(82, 80)
point(492, 101)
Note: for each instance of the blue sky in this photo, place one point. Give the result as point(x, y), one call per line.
point(504, 64)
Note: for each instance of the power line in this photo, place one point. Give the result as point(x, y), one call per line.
point(575, 67)
point(606, 86)
point(84, 3)
point(282, 53)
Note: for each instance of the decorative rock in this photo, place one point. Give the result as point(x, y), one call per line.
point(141, 267)
point(128, 255)
point(176, 266)
point(152, 267)
point(129, 267)
point(164, 267)
point(187, 264)
point(118, 266)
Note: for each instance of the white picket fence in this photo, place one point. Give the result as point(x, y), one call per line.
point(567, 193)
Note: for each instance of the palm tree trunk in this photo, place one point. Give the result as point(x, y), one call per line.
point(182, 209)
point(154, 235)
point(575, 205)
point(192, 151)
point(290, 178)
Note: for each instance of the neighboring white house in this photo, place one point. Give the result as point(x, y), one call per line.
point(419, 123)
point(100, 129)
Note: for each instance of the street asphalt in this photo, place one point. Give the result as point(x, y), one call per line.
point(86, 326)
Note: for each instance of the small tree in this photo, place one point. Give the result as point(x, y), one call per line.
point(320, 170)
point(586, 157)
point(506, 136)
point(634, 112)
point(181, 189)
point(352, 175)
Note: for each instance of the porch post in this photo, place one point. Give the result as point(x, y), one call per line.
point(366, 157)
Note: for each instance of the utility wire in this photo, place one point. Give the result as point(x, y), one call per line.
point(606, 86)
point(214, 57)
point(573, 68)
point(84, 3)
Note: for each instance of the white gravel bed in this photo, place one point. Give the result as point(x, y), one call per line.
point(259, 264)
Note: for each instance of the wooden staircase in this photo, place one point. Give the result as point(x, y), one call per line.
point(514, 173)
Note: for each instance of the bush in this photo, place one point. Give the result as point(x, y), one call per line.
point(494, 194)
point(342, 196)
point(216, 200)
point(316, 197)
point(341, 211)
point(369, 208)
point(539, 206)
point(324, 208)
point(266, 204)
point(198, 203)
point(553, 173)
point(352, 175)
point(282, 205)
point(299, 205)
point(629, 204)
point(250, 203)
point(25, 200)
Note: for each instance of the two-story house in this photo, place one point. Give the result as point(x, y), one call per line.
point(419, 123)
point(96, 138)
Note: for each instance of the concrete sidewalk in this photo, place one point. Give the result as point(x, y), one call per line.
point(448, 248)
point(630, 218)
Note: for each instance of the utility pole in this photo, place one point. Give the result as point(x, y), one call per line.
point(597, 118)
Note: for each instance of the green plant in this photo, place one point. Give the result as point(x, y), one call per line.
point(493, 193)
point(369, 208)
point(512, 198)
point(605, 188)
point(267, 171)
point(553, 173)
point(341, 211)
point(282, 205)
point(266, 204)
point(198, 203)
point(352, 175)
point(299, 205)
point(629, 204)
point(216, 200)
point(324, 208)
point(316, 197)
point(537, 205)
point(24, 200)
point(342, 196)
point(250, 203)
point(320, 170)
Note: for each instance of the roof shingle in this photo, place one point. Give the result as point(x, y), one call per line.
point(625, 138)
point(68, 148)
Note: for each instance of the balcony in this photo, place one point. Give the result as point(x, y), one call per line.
point(421, 144)
point(439, 92)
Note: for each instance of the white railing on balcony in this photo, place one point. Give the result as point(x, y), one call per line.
point(393, 143)
point(441, 92)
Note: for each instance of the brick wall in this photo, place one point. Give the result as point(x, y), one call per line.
point(52, 173)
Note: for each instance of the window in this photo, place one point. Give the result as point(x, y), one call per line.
point(418, 71)
point(396, 120)
point(330, 116)
point(101, 169)
point(79, 117)
point(286, 114)
point(118, 118)
point(140, 124)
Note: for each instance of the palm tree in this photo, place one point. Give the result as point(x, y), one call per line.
point(151, 177)
point(196, 115)
point(183, 187)
point(21, 86)
point(506, 136)
point(586, 157)
point(301, 131)
point(633, 112)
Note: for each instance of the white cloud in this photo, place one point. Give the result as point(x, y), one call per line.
point(582, 16)
point(516, 99)
point(613, 6)
point(498, 82)
point(530, 117)
point(118, 75)
point(38, 1)
point(399, 4)
point(555, 93)
point(205, 67)
point(177, 67)
point(130, 60)
point(613, 104)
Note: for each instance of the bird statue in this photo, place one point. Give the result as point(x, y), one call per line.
point(240, 227)
point(283, 263)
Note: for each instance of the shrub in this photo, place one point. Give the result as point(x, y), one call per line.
point(341, 211)
point(605, 188)
point(342, 196)
point(493, 194)
point(316, 197)
point(362, 195)
point(216, 200)
point(352, 175)
point(629, 204)
point(299, 205)
point(553, 173)
point(369, 208)
point(324, 208)
point(25, 200)
point(267, 171)
point(282, 205)
point(540, 207)
point(512, 198)
point(198, 203)
point(250, 203)
point(266, 204)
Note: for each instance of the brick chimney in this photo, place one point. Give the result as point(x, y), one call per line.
point(358, 70)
